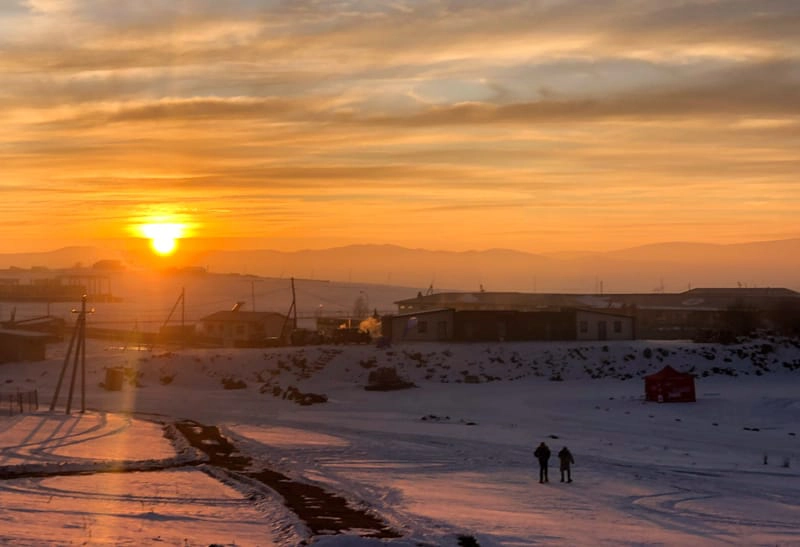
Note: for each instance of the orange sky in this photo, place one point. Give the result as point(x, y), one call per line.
point(538, 126)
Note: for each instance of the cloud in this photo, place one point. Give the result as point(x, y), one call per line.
point(768, 89)
point(303, 113)
point(203, 108)
point(771, 88)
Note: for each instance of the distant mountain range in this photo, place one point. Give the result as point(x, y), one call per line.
point(668, 267)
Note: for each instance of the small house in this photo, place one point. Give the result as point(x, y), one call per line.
point(603, 325)
point(669, 386)
point(246, 328)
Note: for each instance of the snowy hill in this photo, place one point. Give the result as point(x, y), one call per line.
point(447, 462)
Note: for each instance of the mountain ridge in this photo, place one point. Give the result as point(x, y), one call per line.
point(668, 266)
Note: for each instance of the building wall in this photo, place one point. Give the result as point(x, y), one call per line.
point(423, 327)
point(229, 330)
point(244, 331)
point(22, 348)
point(473, 326)
point(676, 324)
point(601, 326)
point(508, 326)
point(721, 312)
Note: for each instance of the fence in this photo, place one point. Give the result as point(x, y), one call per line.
point(17, 402)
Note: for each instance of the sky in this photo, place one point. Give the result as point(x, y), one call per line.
point(541, 126)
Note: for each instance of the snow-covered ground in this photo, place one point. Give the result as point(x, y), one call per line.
point(448, 462)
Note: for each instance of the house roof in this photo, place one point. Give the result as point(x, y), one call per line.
point(668, 372)
point(701, 299)
point(603, 311)
point(246, 316)
point(423, 312)
point(505, 300)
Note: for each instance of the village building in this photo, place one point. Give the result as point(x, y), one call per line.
point(715, 314)
point(426, 326)
point(39, 290)
point(21, 345)
point(237, 328)
point(498, 301)
point(507, 325)
point(604, 325)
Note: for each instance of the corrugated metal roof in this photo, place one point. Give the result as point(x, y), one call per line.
point(423, 312)
point(698, 299)
point(233, 316)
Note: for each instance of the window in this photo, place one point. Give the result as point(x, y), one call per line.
point(422, 327)
point(583, 327)
point(618, 326)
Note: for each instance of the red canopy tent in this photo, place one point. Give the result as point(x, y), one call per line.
point(669, 386)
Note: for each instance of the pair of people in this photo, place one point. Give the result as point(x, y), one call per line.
point(565, 459)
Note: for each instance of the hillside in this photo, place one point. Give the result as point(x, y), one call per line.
point(446, 462)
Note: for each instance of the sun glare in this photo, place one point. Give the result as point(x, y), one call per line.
point(163, 236)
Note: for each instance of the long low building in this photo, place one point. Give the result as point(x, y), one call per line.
point(507, 325)
point(695, 313)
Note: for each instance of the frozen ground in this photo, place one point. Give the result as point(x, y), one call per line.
point(448, 462)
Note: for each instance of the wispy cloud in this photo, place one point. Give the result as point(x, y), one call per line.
point(549, 124)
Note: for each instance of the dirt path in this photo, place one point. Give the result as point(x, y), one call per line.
point(323, 512)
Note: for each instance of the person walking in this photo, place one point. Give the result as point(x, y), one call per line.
point(565, 458)
point(542, 454)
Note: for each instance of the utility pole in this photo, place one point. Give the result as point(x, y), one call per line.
point(294, 306)
point(292, 313)
point(182, 301)
point(79, 337)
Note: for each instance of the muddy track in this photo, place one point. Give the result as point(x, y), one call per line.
point(323, 512)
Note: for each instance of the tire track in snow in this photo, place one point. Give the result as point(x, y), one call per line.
point(708, 485)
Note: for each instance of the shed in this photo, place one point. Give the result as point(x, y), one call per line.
point(669, 386)
point(22, 345)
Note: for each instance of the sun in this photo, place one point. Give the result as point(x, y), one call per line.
point(163, 236)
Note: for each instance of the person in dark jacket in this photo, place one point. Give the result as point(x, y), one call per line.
point(565, 458)
point(542, 454)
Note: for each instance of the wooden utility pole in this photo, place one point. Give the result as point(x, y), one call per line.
point(294, 307)
point(292, 313)
point(182, 301)
point(79, 338)
point(175, 305)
